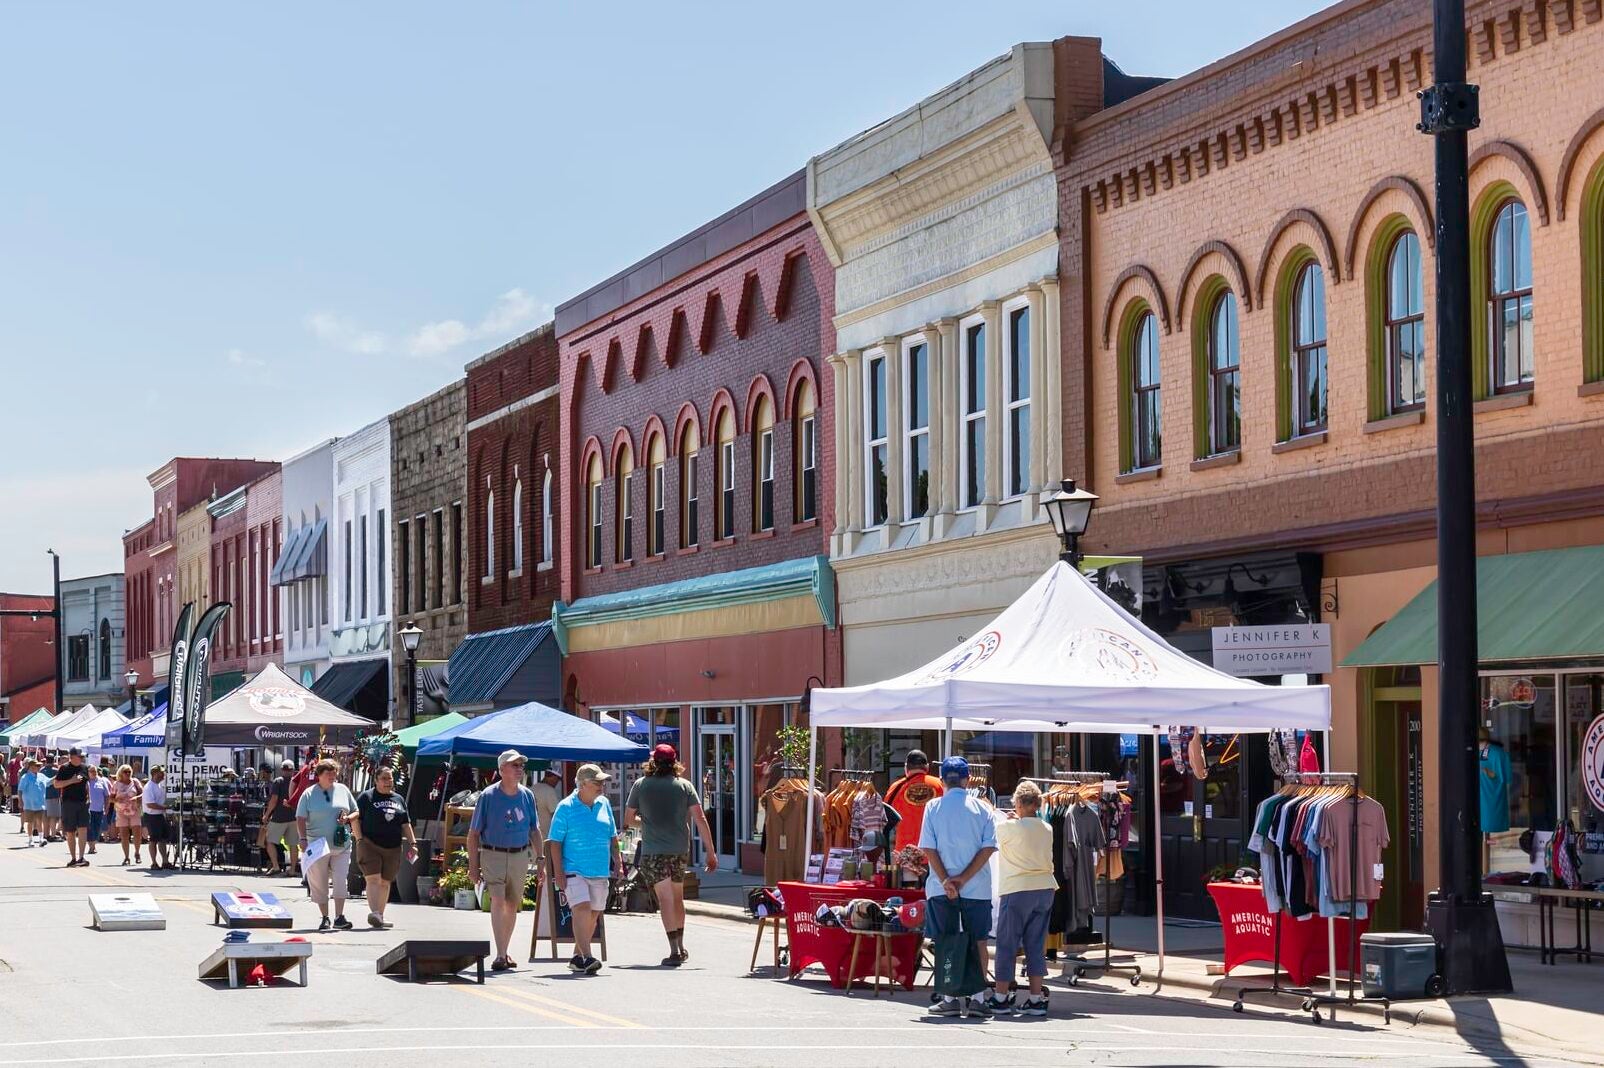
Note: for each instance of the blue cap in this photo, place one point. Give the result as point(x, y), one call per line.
point(954, 769)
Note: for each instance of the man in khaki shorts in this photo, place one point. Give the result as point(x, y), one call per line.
point(504, 834)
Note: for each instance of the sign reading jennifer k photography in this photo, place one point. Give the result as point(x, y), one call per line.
point(1282, 649)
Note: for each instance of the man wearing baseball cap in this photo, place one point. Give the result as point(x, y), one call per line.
point(584, 854)
point(72, 782)
point(502, 837)
point(958, 838)
point(667, 806)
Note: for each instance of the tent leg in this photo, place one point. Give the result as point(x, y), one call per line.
point(807, 841)
point(1331, 923)
point(1158, 861)
point(946, 740)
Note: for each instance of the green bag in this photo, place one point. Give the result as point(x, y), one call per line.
point(959, 972)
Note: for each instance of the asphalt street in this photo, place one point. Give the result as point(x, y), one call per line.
point(75, 995)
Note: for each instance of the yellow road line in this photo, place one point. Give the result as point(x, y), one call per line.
point(600, 1017)
point(522, 1007)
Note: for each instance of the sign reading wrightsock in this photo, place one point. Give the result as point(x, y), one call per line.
point(177, 669)
point(197, 682)
point(1283, 649)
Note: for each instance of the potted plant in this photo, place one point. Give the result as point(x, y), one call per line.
point(454, 887)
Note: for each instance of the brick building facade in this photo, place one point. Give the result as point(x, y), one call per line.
point(428, 484)
point(1249, 381)
point(28, 652)
point(139, 578)
point(696, 454)
point(247, 536)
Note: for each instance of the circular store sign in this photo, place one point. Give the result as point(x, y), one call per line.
point(1107, 652)
point(968, 658)
point(1593, 762)
point(276, 702)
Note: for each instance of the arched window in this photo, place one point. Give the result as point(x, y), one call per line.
point(1147, 439)
point(1405, 326)
point(593, 512)
point(1510, 297)
point(1225, 376)
point(624, 480)
point(763, 466)
point(1309, 350)
point(657, 528)
point(518, 525)
point(690, 492)
point(545, 518)
point(724, 506)
point(490, 537)
point(805, 436)
point(105, 650)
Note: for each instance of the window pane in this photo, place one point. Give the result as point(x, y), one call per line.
point(877, 485)
point(918, 388)
point(1311, 306)
point(1145, 358)
point(1522, 248)
point(1509, 354)
point(1527, 366)
point(1401, 284)
point(975, 369)
point(919, 475)
point(1019, 355)
point(1018, 450)
point(1314, 381)
point(975, 461)
point(1503, 249)
point(1223, 333)
point(1233, 410)
point(877, 399)
point(1519, 713)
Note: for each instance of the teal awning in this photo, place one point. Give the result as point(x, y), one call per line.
point(1545, 605)
point(409, 737)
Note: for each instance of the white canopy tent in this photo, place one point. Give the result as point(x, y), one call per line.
point(1065, 658)
point(49, 737)
point(86, 735)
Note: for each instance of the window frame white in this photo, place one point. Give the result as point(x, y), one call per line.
point(965, 417)
point(545, 518)
point(870, 442)
point(490, 534)
point(517, 526)
point(910, 434)
point(808, 444)
point(1008, 406)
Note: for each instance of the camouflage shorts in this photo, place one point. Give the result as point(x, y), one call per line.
point(655, 867)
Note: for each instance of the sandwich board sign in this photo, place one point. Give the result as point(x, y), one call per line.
point(126, 912)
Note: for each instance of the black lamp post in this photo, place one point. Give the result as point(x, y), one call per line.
point(410, 637)
point(1070, 509)
point(132, 679)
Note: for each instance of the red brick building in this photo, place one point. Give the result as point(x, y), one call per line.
point(139, 576)
point(247, 535)
point(698, 601)
point(27, 657)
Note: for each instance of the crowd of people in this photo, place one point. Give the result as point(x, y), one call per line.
point(71, 801)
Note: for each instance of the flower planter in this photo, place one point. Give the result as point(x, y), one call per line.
point(466, 900)
point(426, 884)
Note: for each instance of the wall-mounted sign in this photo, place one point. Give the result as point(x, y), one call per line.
point(1593, 762)
point(1283, 649)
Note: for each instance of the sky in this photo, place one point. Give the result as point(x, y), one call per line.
point(238, 230)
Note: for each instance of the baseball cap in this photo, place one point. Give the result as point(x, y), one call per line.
point(590, 773)
point(665, 754)
point(75, 751)
point(288, 765)
point(511, 756)
point(916, 759)
point(954, 769)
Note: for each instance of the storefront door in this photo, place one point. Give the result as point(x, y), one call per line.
point(717, 778)
point(1391, 770)
point(1202, 820)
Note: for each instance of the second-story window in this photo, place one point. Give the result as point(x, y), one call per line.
point(78, 658)
point(916, 443)
point(1309, 349)
point(1225, 377)
point(807, 455)
point(656, 506)
point(1513, 360)
point(972, 394)
point(724, 517)
point(593, 517)
point(876, 441)
point(1406, 326)
point(624, 550)
point(1146, 406)
point(545, 518)
point(350, 561)
point(403, 542)
point(1016, 451)
point(689, 488)
point(490, 534)
point(518, 524)
point(381, 539)
point(763, 467)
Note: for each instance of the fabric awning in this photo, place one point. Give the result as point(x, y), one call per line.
point(340, 684)
point(1529, 606)
point(37, 718)
point(311, 555)
point(411, 736)
point(292, 545)
point(481, 665)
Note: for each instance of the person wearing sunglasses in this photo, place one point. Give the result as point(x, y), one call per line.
point(325, 811)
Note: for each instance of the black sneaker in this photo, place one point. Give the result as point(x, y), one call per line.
point(1000, 1006)
point(945, 1007)
point(592, 965)
point(1032, 1006)
point(577, 964)
point(981, 1007)
point(343, 924)
point(323, 924)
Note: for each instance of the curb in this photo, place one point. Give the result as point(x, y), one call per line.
point(714, 910)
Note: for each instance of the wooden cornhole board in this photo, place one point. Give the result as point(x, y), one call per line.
point(421, 958)
point(126, 912)
point(249, 910)
point(234, 960)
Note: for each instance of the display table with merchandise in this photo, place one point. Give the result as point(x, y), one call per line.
point(1249, 929)
point(833, 947)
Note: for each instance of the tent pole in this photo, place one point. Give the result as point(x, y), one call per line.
point(807, 841)
point(946, 741)
point(1331, 922)
point(1158, 860)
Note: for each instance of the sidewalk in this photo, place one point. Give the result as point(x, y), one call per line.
point(1557, 1009)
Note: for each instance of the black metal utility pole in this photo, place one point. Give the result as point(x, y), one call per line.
point(61, 648)
point(1460, 916)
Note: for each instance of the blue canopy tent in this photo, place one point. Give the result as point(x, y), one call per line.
point(147, 732)
point(536, 731)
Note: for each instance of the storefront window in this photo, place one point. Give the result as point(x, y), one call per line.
point(1010, 754)
point(1517, 780)
point(1584, 702)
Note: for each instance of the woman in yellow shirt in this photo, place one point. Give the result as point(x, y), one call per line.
point(1025, 863)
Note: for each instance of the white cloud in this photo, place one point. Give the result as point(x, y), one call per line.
point(241, 358)
point(343, 334)
point(513, 311)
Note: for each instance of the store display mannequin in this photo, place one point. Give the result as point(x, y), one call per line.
point(1494, 779)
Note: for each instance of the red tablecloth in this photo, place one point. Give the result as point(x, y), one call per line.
point(831, 946)
point(1250, 934)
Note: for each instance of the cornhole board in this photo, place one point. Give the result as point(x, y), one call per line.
point(126, 912)
point(249, 910)
point(421, 958)
point(234, 960)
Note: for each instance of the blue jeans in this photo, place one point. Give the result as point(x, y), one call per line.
point(945, 916)
point(1022, 921)
point(97, 824)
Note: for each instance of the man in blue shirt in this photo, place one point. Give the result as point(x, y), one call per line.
point(958, 838)
point(31, 785)
point(502, 837)
point(583, 851)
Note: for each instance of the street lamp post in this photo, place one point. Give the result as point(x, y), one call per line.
point(132, 679)
point(410, 637)
point(1461, 917)
point(1070, 510)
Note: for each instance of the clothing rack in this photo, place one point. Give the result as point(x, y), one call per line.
point(1075, 967)
point(852, 774)
point(1312, 999)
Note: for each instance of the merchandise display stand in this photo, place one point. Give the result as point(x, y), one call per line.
point(1076, 967)
point(1313, 999)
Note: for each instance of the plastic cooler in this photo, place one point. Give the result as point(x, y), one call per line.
point(1399, 965)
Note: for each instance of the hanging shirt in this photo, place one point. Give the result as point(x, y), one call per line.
point(1494, 779)
point(1338, 840)
point(909, 795)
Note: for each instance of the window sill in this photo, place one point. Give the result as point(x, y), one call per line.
point(655, 558)
point(623, 565)
point(1503, 401)
point(1224, 459)
point(762, 535)
point(544, 565)
point(688, 550)
point(719, 543)
point(591, 571)
point(1302, 441)
point(1141, 474)
point(487, 580)
point(1393, 422)
point(1590, 389)
point(809, 523)
point(516, 573)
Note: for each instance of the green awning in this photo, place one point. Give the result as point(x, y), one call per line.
point(1545, 605)
point(24, 725)
point(411, 736)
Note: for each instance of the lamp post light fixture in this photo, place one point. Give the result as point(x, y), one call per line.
point(1070, 509)
point(410, 636)
point(132, 679)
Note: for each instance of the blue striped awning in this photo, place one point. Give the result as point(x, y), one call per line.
point(483, 663)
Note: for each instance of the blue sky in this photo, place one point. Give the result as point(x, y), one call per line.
point(234, 230)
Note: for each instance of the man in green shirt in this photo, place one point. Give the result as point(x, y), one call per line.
point(666, 805)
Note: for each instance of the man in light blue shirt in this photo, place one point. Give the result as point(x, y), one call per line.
point(31, 785)
point(582, 851)
point(958, 839)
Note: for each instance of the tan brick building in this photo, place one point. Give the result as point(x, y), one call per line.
point(1249, 384)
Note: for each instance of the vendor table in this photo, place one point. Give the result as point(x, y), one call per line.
point(1549, 901)
point(835, 947)
point(1250, 934)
